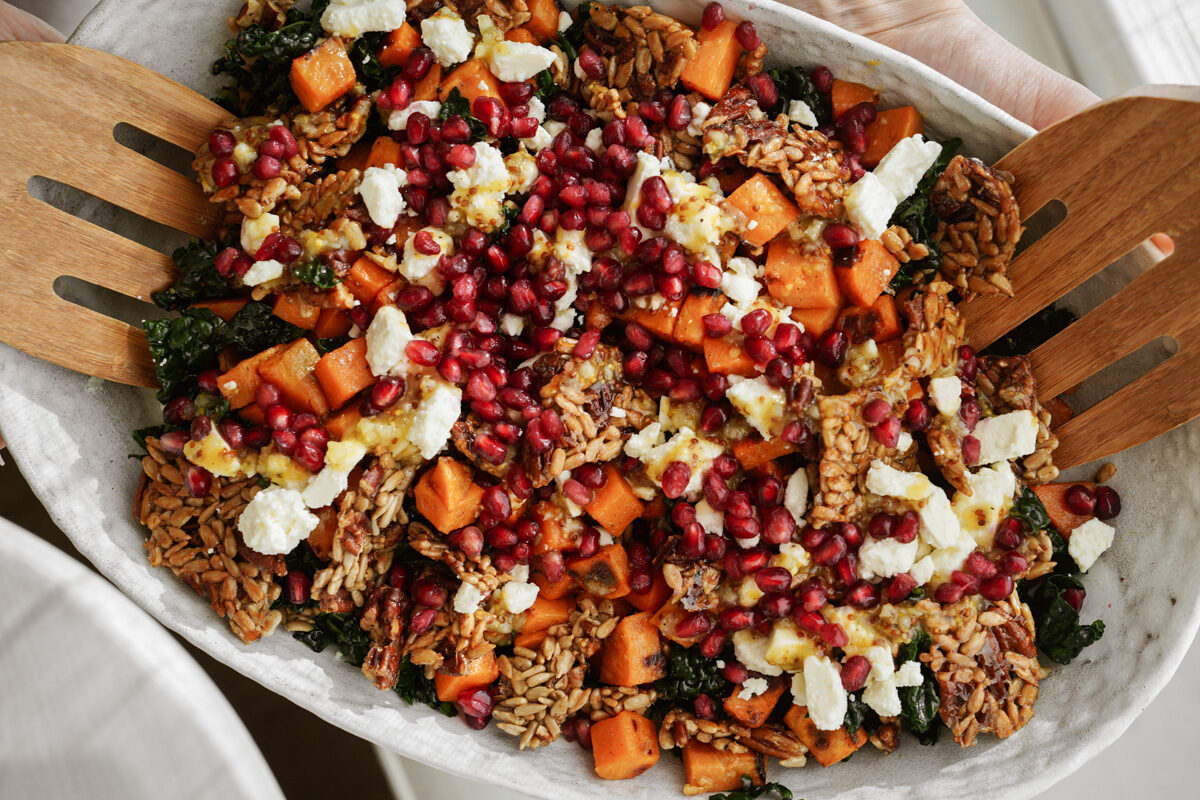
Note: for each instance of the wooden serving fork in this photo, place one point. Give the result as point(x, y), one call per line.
point(1125, 169)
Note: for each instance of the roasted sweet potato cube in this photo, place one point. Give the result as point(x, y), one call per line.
point(707, 769)
point(605, 574)
point(633, 653)
point(614, 505)
point(828, 747)
point(291, 371)
point(624, 746)
point(768, 211)
point(801, 277)
point(447, 497)
point(753, 712)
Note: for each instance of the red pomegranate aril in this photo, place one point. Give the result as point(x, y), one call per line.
point(968, 582)
point(429, 592)
point(515, 93)
point(831, 348)
point(686, 390)
point(811, 538)
point(716, 326)
point(422, 620)
point(978, 565)
point(1013, 563)
point(387, 393)
point(970, 450)
point(197, 480)
point(1075, 597)
point(876, 411)
point(751, 561)
point(855, 670)
point(679, 113)
point(422, 352)
point(1080, 500)
point(715, 386)
point(997, 588)
point(310, 456)
point(839, 236)
point(713, 643)
point(713, 418)
point(918, 415)
point(577, 493)
point(507, 432)
point(853, 134)
point(225, 172)
point(271, 148)
point(706, 274)
point(500, 536)
point(882, 525)
point(887, 433)
point(417, 130)
point(968, 363)
point(725, 465)
point(496, 502)
point(285, 441)
point(847, 569)
point(831, 551)
point(739, 505)
point(773, 579)
point(265, 168)
point(714, 547)
point(949, 592)
point(695, 624)
point(747, 36)
point(970, 413)
point(834, 635)
point(756, 322)
point(776, 605)
point(257, 436)
point(808, 620)
point(1108, 502)
point(652, 111)
point(713, 16)
point(221, 143)
point(1009, 534)
point(715, 490)
point(851, 533)
point(519, 483)
point(764, 89)
point(864, 112)
point(479, 387)
point(592, 64)
point(760, 349)
point(278, 417)
point(179, 410)
point(655, 194)
point(303, 421)
point(675, 479)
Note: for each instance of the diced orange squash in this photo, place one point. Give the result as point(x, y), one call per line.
point(472, 79)
point(291, 371)
point(689, 325)
point(1060, 412)
point(386, 297)
point(605, 574)
point(845, 95)
point(1053, 497)
point(624, 746)
point(655, 509)
point(707, 769)
point(447, 497)
point(295, 308)
point(546, 612)
point(398, 45)
point(890, 353)
point(521, 35)
point(344, 372)
point(322, 75)
point(252, 414)
point(366, 278)
point(710, 71)
point(754, 451)
point(660, 321)
point(427, 87)
point(321, 538)
point(332, 322)
point(553, 535)
point(543, 19)
point(614, 505)
point(882, 322)
point(801, 277)
point(240, 384)
point(888, 129)
point(816, 320)
point(770, 469)
point(654, 598)
point(633, 653)
point(667, 620)
point(753, 712)
point(553, 591)
point(768, 211)
point(480, 672)
point(728, 357)
point(385, 150)
point(530, 639)
point(828, 747)
point(343, 422)
point(872, 271)
point(225, 309)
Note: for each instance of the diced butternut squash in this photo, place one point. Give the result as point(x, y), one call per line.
point(521, 35)
point(322, 75)
point(801, 277)
point(633, 653)
point(472, 79)
point(872, 271)
point(332, 322)
point(398, 45)
point(881, 321)
point(754, 451)
point(655, 509)
point(530, 639)
point(240, 384)
point(366, 278)
point(828, 747)
point(297, 309)
point(888, 129)
point(553, 536)
point(385, 150)
point(710, 71)
point(543, 19)
point(768, 211)
point(386, 296)
point(553, 591)
point(728, 357)
point(544, 613)
point(321, 538)
point(225, 309)
point(689, 325)
point(659, 321)
point(624, 746)
point(667, 620)
point(707, 769)
point(427, 87)
point(480, 672)
point(252, 414)
point(654, 598)
point(614, 505)
point(816, 320)
point(447, 497)
point(343, 422)
point(753, 712)
point(344, 372)
point(291, 371)
point(1053, 497)
point(845, 95)
point(605, 574)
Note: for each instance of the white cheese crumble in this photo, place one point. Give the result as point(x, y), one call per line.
point(799, 111)
point(700, 113)
point(905, 164)
point(883, 558)
point(275, 521)
point(922, 571)
point(750, 647)
point(1089, 541)
point(886, 480)
point(753, 687)
point(350, 19)
point(762, 404)
point(946, 394)
point(1007, 436)
point(869, 205)
point(398, 119)
point(380, 191)
point(823, 690)
point(256, 230)
point(697, 221)
point(447, 36)
point(537, 109)
point(939, 524)
point(214, 454)
point(739, 283)
point(340, 460)
point(467, 598)
point(569, 248)
point(697, 451)
point(522, 171)
point(647, 167)
point(518, 61)
point(712, 520)
point(436, 414)
point(387, 340)
point(795, 494)
point(979, 513)
point(479, 190)
point(518, 595)
point(417, 267)
point(799, 690)
point(262, 271)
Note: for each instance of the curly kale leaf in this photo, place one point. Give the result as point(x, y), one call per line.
point(183, 347)
point(919, 704)
point(859, 714)
point(254, 328)
point(1033, 332)
point(457, 105)
point(414, 687)
point(316, 273)
point(545, 85)
point(915, 213)
point(364, 56)
point(331, 343)
point(341, 630)
point(794, 83)
point(198, 278)
point(751, 792)
point(1059, 634)
point(690, 674)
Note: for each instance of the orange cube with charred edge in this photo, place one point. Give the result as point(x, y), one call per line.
point(633, 653)
point(624, 746)
point(828, 747)
point(753, 712)
point(291, 371)
point(614, 505)
point(605, 574)
point(707, 769)
point(480, 672)
point(710, 71)
point(447, 497)
point(322, 75)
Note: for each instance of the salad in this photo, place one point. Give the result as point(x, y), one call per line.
point(597, 376)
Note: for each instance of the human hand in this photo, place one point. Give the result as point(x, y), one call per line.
point(947, 36)
point(19, 26)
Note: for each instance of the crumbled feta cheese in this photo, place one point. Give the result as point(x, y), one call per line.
point(712, 520)
point(522, 171)
point(283, 471)
point(275, 521)
point(740, 283)
point(512, 325)
point(979, 513)
point(883, 558)
point(594, 140)
point(939, 523)
point(799, 690)
point(387, 342)
point(479, 190)
point(947, 394)
point(909, 674)
point(647, 167)
point(606, 538)
point(398, 119)
point(467, 598)
point(569, 248)
point(762, 404)
point(823, 689)
point(262, 271)
point(244, 156)
point(1007, 436)
point(692, 449)
point(214, 454)
point(750, 647)
point(518, 596)
point(447, 36)
point(350, 19)
point(798, 111)
point(922, 570)
point(749, 593)
point(564, 21)
point(882, 666)
point(696, 221)
point(948, 559)
point(753, 687)
point(883, 698)
point(518, 61)
point(255, 230)
point(418, 267)
point(380, 191)
point(340, 460)
point(788, 647)
point(792, 557)
point(905, 164)
point(884, 479)
point(540, 140)
point(537, 109)
point(436, 414)
point(795, 494)
point(640, 444)
point(700, 112)
point(1089, 541)
point(869, 205)
point(904, 442)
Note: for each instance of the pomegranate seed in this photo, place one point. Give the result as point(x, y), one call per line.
point(751, 561)
point(655, 194)
point(970, 413)
point(725, 465)
point(852, 534)
point(225, 172)
point(997, 588)
point(713, 643)
point(429, 592)
point(174, 441)
point(197, 480)
point(712, 419)
point(515, 93)
point(918, 415)
point(315, 435)
point(679, 113)
point(713, 16)
point(776, 605)
point(854, 673)
point(778, 526)
point(979, 566)
point(265, 168)
point(822, 79)
point(887, 433)
point(830, 551)
point(881, 525)
point(833, 635)
point(496, 502)
point(501, 537)
point(901, 587)
point(735, 673)
point(519, 484)
point(233, 433)
point(853, 134)
point(747, 36)
point(715, 386)
point(591, 475)
point(592, 64)
point(1009, 534)
point(716, 325)
point(422, 620)
point(278, 417)
point(577, 493)
point(847, 569)
point(760, 348)
point(876, 411)
point(299, 587)
point(551, 423)
point(970, 450)
point(948, 592)
point(221, 143)
point(714, 547)
point(474, 703)
point(257, 436)
point(773, 579)
point(422, 352)
point(839, 236)
point(675, 479)
point(1013, 563)
point(831, 348)
point(810, 621)
point(764, 89)
point(968, 364)
point(1108, 502)
point(1080, 500)
point(864, 112)
point(469, 540)
point(418, 64)
point(697, 623)
point(201, 426)
point(310, 456)
point(490, 448)
point(968, 582)
point(907, 527)
point(1075, 597)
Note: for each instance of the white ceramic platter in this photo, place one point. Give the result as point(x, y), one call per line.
point(73, 446)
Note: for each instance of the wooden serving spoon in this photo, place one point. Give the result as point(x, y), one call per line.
point(1125, 169)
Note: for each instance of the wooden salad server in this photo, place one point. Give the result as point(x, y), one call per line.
point(1125, 169)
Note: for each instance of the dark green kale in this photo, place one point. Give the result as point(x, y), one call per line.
point(544, 84)
point(511, 210)
point(1059, 634)
point(414, 687)
point(182, 348)
point(794, 83)
point(1033, 332)
point(254, 328)
point(332, 343)
point(571, 41)
point(316, 272)
point(198, 278)
point(1029, 509)
point(915, 213)
point(690, 674)
point(919, 704)
point(341, 630)
point(364, 55)
point(457, 105)
point(751, 792)
point(859, 714)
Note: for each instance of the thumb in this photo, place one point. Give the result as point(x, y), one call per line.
point(20, 26)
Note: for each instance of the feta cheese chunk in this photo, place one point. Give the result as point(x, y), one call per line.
point(750, 647)
point(762, 404)
point(946, 394)
point(823, 689)
point(979, 513)
point(700, 112)
point(387, 342)
point(753, 687)
point(467, 598)
point(398, 119)
point(647, 167)
point(417, 267)
point(1007, 436)
point(518, 61)
point(380, 191)
point(537, 109)
point(909, 674)
point(1089, 541)
point(275, 521)
point(696, 221)
point(795, 494)
point(939, 523)
point(712, 520)
point(922, 571)
point(437, 413)
point(740, 283)
point(886, 480)
point(340, 460)
point(799, 690)
point(869, 205)
point(788, 648)
point(883, 698)
point(263, 271)
point(214, 454)
point(883, 558)
point(692, 449)
point(518, 596)
point(799, 111)
point(255, 230)
point(479, 190)
point(350, 19)
point(447, 36)
point(905, 164)
point(540, 140)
